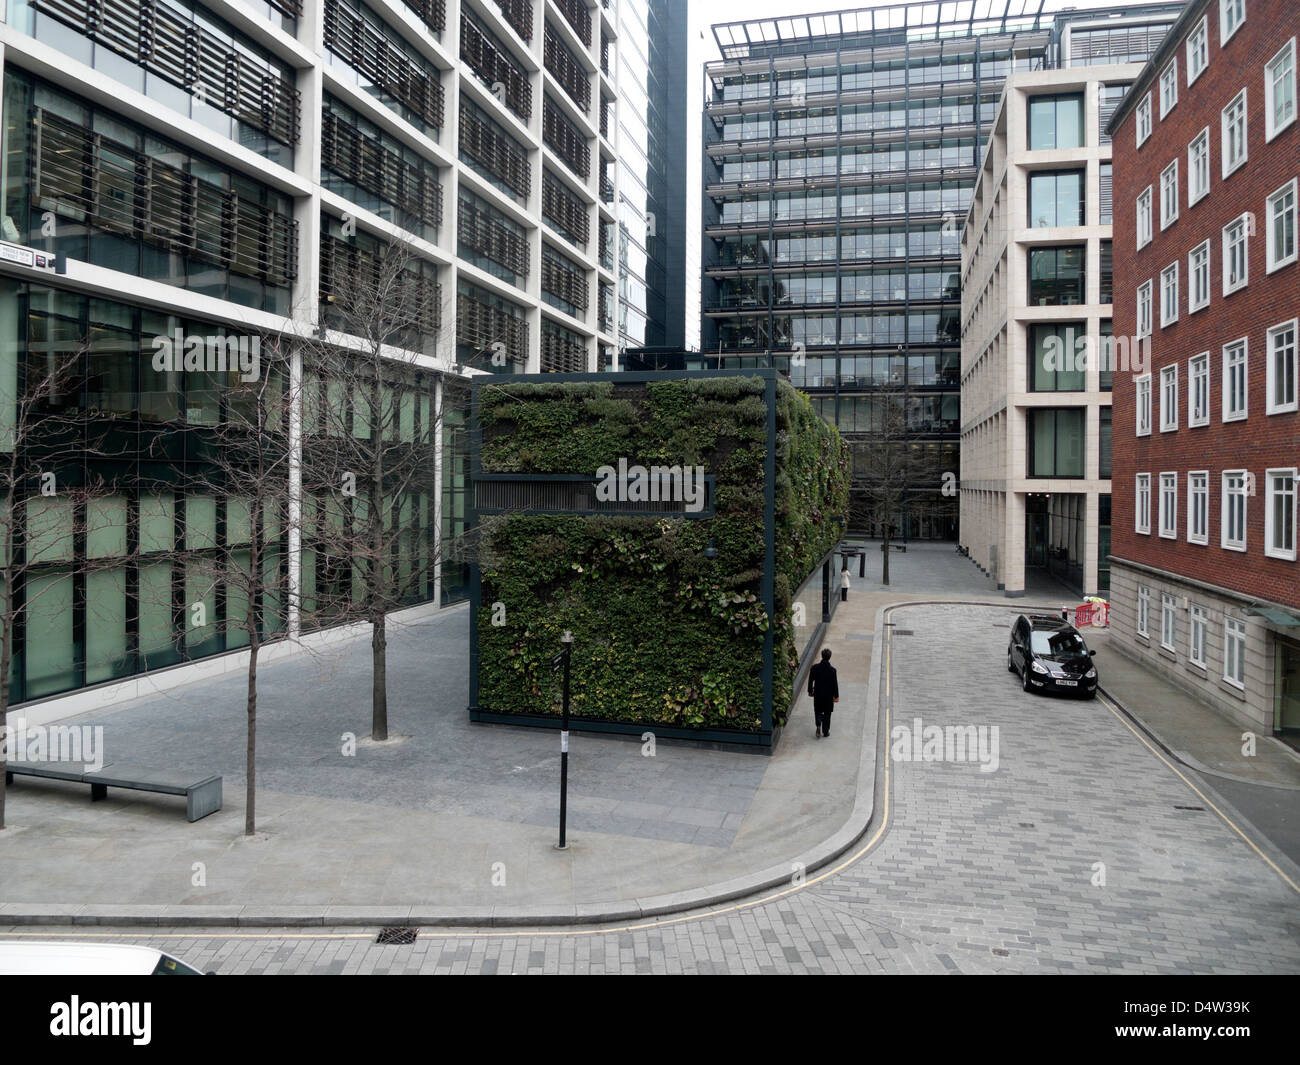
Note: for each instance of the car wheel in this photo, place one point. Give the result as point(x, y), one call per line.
point(1024, 679)
point(1011, 666)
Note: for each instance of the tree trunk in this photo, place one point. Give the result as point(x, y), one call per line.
point(4, 721)
point(250, 769)
point(379, 673)
point(6, 655)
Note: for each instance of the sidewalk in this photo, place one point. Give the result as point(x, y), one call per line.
point(1192, 732)
point(454, 824)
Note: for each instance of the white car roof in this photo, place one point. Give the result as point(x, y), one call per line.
point(62, 958)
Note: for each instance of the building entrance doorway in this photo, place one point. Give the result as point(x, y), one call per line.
point(1287, 688)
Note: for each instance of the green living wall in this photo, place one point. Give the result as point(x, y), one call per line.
point(663, 635)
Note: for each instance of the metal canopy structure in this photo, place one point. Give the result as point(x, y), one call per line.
point(914, 21)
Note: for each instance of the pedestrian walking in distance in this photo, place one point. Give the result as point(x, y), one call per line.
point(844, 584)
point(824, 687)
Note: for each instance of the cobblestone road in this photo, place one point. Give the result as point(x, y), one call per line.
point(974, 871)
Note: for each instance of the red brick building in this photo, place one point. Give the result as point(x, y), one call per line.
point(1205, 579)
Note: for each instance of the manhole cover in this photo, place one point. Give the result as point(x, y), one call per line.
point(1199, 809)
point(397, 936)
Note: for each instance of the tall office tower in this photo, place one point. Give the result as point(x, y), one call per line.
point(652, 172)
point(1206, 582)
point(222, 167)
point(1037, 346)
point(840, 152)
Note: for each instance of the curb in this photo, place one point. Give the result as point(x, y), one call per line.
point(815, 858)
point(1260, 840)
point(1182, 757)
point(777, 876)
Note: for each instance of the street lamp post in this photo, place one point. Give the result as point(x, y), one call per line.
point(562, 658)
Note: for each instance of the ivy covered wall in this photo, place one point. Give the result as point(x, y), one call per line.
point(663, 636)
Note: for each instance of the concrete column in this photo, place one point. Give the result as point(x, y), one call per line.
point(438, 458)
point(1090, 544)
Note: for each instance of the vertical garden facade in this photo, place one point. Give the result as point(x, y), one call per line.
point(682, 609)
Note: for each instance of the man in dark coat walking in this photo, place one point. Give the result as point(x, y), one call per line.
point(824, 687)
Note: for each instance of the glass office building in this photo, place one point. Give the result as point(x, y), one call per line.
point(840, 154)
point(236, 197)
point(652, 173)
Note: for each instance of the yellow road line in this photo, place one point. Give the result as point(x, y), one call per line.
point(1106, 702)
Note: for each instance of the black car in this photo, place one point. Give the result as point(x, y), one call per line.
point(1050, 656)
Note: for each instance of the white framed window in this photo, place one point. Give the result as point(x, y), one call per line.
point(1234, 380)
point(1233, 523)
point(1198, 389)
point(1169, 399)
point(1198, 623)
point(1232, 13)
point(1279, 91)
point(1144, 309)
point(1168, 622)
point(1198, 506)
point(1142, 504)
point(1198, 51)
point(1234, 652)
point(1280, 218)
point(1280, 394)
point(1198, 167)
point(1169, 294)
point(1279, 513)
point(1142, 405)
point(1142, 120)
point(1234, 133)
point(1144, 611)
point(1236, 258)
point(1168, 510)
point(1169, 87)
point(1169, 195)
point(1144, 217)
point(1198, 277)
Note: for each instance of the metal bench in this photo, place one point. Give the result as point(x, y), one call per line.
point(202, 791)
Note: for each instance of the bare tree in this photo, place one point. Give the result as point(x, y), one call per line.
point(51, 495)
point(372, 433)
point(245, 463)
point(888, 464)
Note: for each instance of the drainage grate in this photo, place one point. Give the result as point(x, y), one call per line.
point(1199, 809)
point(904, 632)
point(397, 936)
point(1026, 824)
point(1001, 953)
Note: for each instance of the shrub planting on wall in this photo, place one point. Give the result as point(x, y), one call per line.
point(663, 635)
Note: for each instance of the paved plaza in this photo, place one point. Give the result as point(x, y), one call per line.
point(1088, 848)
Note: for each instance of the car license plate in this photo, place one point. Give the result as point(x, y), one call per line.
point(1068, 683)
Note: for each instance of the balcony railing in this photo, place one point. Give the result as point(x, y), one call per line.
point(370, 53)
point(360, 159)
point(494, 65)
point(168, 43)
point(479, 326)
point(563, 65)
point(119, 189)
point(566, 140)
point(519, 13)
point(495, 151)
point(576, 14)
point(565, 211)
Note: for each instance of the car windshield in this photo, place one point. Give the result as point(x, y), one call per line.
point(1057, 644)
